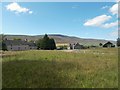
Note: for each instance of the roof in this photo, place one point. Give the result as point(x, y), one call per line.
point(75, 44)
point(19, 42)
point(108, 43)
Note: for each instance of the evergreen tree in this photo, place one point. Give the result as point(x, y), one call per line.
point(100, 44)
point(39, 43)
point(4, 47)
point(46, 43)
point(52, 44)
point(118, 42)
point(2, 43)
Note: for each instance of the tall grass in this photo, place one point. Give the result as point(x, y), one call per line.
point(92, 68)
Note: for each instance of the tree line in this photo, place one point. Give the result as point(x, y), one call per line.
point(44, 43)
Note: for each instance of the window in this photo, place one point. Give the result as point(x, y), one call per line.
point(18, 48)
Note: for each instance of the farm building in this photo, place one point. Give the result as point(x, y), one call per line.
point(19, 45)
point(69, 46)
point(61, 46)
point(76, 46)
point(108, 44)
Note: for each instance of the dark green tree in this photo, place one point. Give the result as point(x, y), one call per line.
point(52, 44)
point(46, 43)
point(4, 47)
point(100, 44)
point(39, 43)
point(2, 42)
point(118, 42)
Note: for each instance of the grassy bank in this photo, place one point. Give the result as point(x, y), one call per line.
point(75, 69)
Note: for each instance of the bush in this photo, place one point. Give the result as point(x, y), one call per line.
point(3, 46)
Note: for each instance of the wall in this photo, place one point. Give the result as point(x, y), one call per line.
point(17, 47)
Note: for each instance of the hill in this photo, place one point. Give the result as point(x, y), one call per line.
point(62, 39)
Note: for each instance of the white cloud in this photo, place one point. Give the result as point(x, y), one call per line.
point(114, 9)
point(117, 0)
point(75, 6)
point(118, 32)
point(104, 7)
point(109, 25)
point(15, 7)
point(30, 12)
point(114, 33)
point(97, 21)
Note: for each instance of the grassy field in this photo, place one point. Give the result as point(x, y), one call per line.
point(90, 68)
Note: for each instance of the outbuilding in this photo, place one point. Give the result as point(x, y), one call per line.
point(108, 44)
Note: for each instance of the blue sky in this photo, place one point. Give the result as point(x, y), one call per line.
point(81, 19)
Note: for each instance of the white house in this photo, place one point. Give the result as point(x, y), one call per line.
point(76, 46)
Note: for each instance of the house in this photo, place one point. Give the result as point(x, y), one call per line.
point(19, 45)
point(108, 44)
point(76, 46)
point(61, 46)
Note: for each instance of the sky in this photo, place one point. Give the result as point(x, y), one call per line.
point(96, 20)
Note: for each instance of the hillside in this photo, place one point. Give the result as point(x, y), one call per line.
point(61, 39)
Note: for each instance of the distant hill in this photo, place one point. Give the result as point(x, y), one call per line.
point(61, 39)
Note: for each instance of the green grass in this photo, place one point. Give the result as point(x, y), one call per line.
point(92, 68)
